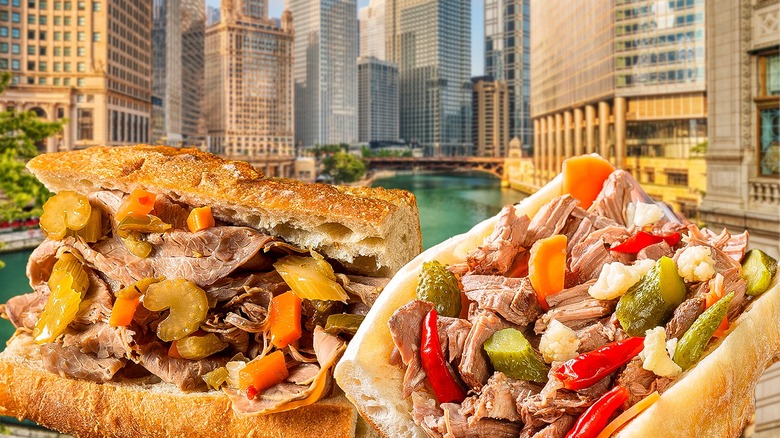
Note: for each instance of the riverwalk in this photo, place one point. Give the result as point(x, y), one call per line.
point(17, 240)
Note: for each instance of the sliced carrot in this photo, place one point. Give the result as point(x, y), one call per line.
point(263, 373)
point(716, 293)
point(123, 311)
point(174, 352)
point(200, 219)
point(630, 413)
point(547, 267)
point(584, 176)
point(139, 202)
point(284, 321)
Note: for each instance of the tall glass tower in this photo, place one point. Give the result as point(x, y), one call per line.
point(325, 70)
point(507, 58)
point(430, 41)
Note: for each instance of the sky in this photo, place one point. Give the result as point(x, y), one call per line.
point(276, 7)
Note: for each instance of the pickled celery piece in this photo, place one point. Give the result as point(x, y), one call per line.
point(693, 342)
point(310, 278)
point(138, 288)
point(759, 269)
point(651, 302)
point(136, 223)
point(68, 284)
point(188, 306)
point(343, 323)
point(216, 378)
point(93, 231)
point(136, 246)
point(439, 287)
point(511, 353)
point(200, 347)
point(63, 211)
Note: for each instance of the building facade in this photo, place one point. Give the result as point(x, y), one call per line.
point(178, 37)
point(430, 41)
point(508, 59)
point(87, 61)
point(491, 121)
point(625, 79)
point(249, 98)
point(372, 30)
point(325, 71)
point(377, 100)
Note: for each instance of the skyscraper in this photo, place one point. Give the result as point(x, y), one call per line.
point(378, 106)
point(212, 15)
point(491, 117)
point(178, 39)
point(372, 30)
point(249, 96)
point(326, 95)
point(623, 79)
point(88, 61)
point(430, 40)
point(508, 58)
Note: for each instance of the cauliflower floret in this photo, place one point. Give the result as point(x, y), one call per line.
point(616, 278)
point(695, 264)
point(655, 357)
point(647, 214)
point(559, 343)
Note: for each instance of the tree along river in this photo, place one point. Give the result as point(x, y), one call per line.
point(449, 204)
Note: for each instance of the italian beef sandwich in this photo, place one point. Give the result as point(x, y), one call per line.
point(180, 294)
point(587, 310)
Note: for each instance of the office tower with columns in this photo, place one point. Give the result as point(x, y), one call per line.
point(87, 61)
point(622, 79)
point(325, 71)
point(372, 30)
point(491, 105)
point(378, 100)
point(249, 97)
point(508, 59)
point(178, 37)
point(430, 41)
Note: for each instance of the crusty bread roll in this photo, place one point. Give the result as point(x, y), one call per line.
point(368, 231)
point(715, 398)
point(372, 230)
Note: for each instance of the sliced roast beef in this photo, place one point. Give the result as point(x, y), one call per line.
point(108, 200)
point(534, 411)
point(24, 310)
point(640, 382)
point(684, 316)
point(97, 303)
point(595, 336)
point(655, 251)
point(475, 366)
point(550, 219)
point(452, 336)
point(229, 287)
point(614, 197)
point(558, 429)
point(406, 331)
point(171, 212)
point(186, 374)
point(446, 420)
point(572, 295)
point(498, 399)
point(499, 250)
point(101, 339)
point(512, 298)
point(365, 288)
point(70, 362)
point(589, 256)
point(41, 262)
point(576, 315)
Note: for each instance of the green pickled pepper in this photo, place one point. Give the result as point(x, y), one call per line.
point(693, 342)
point(343, 323)
point(439, 287)
point(759, 269)
point(651, 302)
point(511, 353)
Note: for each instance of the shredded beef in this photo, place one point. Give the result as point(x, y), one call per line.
point(406, 331)
point(684, 316)
point(24, 310)
point(655, 251)
point(595, 336)
point(70, 362)
point(101, 339)
point(576, 315)
point(512, 298)
point(497, 399)
point(452, 336)
point(499, 250)
point(475, 366)
point(446, 420)
point(538, 414)
point(614, 197)
point(590, 255)
point(640, 382)
point(572, 295)
point(550, 219)
point(186, 374)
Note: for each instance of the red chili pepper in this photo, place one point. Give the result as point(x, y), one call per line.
point(642, 240)
point(588, 368)
point(595, 419)
point(444, 385)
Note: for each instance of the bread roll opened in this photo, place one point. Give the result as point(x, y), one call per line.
point(384, 374)
point(165, 269)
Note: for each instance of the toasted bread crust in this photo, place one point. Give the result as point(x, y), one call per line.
point(88, 409)
point(374, 230)
point(715, 398)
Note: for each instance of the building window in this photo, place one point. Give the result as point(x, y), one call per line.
point(57, 66)
point(30, 3)
point(42, 20)
point(80, 51)
point(42, 66)
point(41, 81)
point(96, 36)
point(56, 81)
point(57, 6)
point(42, 50)
point(80, 82)
point(3, 31)
point(31, 19)
point(81, 21)
point(58, 51)
point(42, 35)
point(82, 67)
point(96, 6)
point(30, 65)
point(68, 6)
point(15, 66)
point(16, 33)
point(66, 82)
point(82, 36)
point(677, 177)
point(67, 21)
point(4, 63)
point(768, 106)
point(57, 20)
point(57, 36)
point(31, 50)
point(66, 51)
point(67, 66)
point(3, 15)
point(60, 113)
point(16, 49)
point(42, 4)
point(16, 17)
point(84, 129)
point(82, 5)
